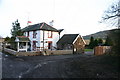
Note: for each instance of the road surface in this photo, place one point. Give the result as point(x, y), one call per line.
point(0, 65)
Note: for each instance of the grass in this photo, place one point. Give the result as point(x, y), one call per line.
point(88, 49)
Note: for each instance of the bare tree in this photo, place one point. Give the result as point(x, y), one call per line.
point(112, 14)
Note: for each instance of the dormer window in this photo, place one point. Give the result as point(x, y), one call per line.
point(34, 34)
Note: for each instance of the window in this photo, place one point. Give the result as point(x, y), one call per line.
point(49, 34)
point(34, 34)
point(28, 33)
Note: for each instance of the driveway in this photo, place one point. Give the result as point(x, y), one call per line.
point(37, 66)
point(54, 66)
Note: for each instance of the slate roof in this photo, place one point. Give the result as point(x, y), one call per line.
point(23, 39)
point(39, 26)
point(67, 39)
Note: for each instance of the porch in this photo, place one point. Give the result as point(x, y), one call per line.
point(22, 43)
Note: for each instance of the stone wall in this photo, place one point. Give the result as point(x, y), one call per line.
point(10, 51)
point(59, 52)
point(55, 52)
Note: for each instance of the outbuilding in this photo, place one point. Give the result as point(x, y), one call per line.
point(73, 42)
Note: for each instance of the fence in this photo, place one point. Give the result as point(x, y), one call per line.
point(99, 50)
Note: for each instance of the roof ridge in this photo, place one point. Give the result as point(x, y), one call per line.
point(39, 26)
point(71, 34)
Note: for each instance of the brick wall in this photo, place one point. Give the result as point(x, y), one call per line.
point(79, 45)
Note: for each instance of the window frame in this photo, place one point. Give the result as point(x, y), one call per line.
point(50, 34)
point(34, 34)
point(28, 33)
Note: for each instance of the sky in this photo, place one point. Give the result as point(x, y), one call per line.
point(74, 16)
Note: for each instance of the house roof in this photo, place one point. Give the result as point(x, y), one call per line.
point(22, 39)
point(67, 38)
point(39, 26)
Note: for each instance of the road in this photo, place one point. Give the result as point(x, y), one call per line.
point(55, 66)
point(0, 65)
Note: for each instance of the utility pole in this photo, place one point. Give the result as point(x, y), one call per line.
point(43, 39)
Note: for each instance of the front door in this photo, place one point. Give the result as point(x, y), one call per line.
point(49, 44)
point(34, 45)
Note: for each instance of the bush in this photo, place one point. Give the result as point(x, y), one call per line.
point(115, 37)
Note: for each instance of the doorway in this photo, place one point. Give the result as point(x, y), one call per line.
point(34, 45)
point(50, 45)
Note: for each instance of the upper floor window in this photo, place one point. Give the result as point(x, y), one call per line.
point(50, 34)
point(28, 33)
point(34, 34)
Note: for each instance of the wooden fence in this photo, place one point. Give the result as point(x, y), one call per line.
point(99, 50)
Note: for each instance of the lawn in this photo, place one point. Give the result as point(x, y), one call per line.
point(88, 50)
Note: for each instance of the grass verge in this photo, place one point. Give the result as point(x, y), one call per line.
point(88, 49)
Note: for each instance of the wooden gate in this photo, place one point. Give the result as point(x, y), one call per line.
point(99, 50)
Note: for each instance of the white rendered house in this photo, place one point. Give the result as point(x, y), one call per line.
point(42, 36)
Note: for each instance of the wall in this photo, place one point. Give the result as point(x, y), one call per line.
point(79, 45)
point(56, 52)
point(10, 51)
point(99, 50)
point(59, 52)
point(54, 39)
point(39, 38)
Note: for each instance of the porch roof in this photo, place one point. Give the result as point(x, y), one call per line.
point(22, 39)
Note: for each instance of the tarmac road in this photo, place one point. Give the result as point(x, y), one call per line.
point(54, 66)
point(0, 65)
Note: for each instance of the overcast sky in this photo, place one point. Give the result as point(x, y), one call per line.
point(74, 16)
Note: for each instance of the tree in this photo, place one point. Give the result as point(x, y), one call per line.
point(108, 41)
point(115, 39)
point(95, 42)
point(113, 15)
point(91, 44)
point(16, 30)
point(100, 41)
point(7, 39)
